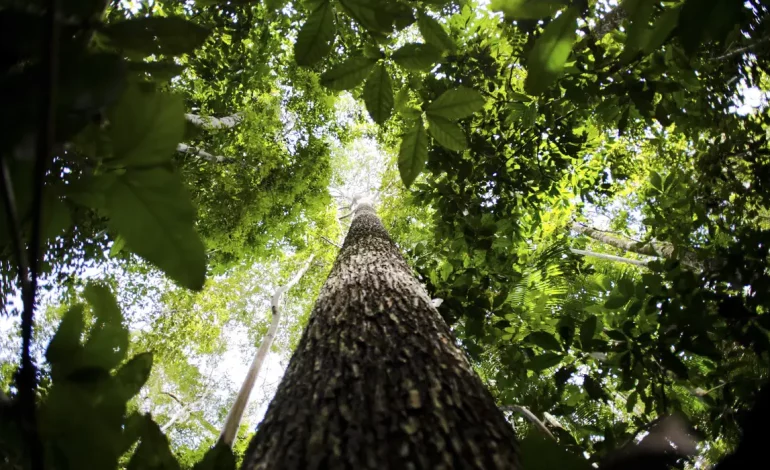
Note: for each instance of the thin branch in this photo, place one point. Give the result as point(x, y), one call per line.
point(210, 122)
point(741, 50)
point(233, 421)
point(202, 154)
point(14, 225)
point(608, 257)
point(531, 417)
point(331, 242)
point(346, 216)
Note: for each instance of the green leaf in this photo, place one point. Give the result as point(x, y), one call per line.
point(348, 74)
point(134, 374)
point(447, 133)
point(66, 341)
point(544, 361)
point(171, 35)
point(549, 55)
point(616, 300)
point(150, 208)
point(316, 37)
point(539, 452)
point(457, 103)
point(404, 105)
point(433, 33)
point(373, 15)
point(153, 452)
point(587, 332)
point(417, 56)
point(413, 153)
point(631, 401)
point(545, 340)
point(378, 95)
point(662, 29)
point(145, 127)
point(107, 342)
point(527, 9)
point(656, 181)
point(219, 457)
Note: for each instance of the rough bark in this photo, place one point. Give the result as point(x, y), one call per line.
point(607, 257)
point(664, 250)
point(377, 381)
point(202, 154)
point(233, 421)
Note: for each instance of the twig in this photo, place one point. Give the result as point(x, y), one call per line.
point(741, 50)
point(331, 242)
point(534, 419)
point(14, 225)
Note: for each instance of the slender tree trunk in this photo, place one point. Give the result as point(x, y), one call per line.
point(208, 122)
point(607, 257)
point(664, 250)
point(233, 421)
point(202, 154)
point(377, 381)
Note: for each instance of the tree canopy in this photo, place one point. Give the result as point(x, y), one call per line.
point(581, 185)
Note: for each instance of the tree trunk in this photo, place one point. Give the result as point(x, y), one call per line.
point(202, 154)
point(607, 257)
point(664, 250)
point(208, 122)
point(233, 421)
point(377, 380)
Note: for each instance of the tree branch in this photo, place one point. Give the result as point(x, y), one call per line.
point(210, 122)
point(233, 421)
point(202, 154)
point(608, 257)
point(531, 417)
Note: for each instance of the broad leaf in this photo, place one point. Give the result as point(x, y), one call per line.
point(66, 341)
point(413, 153)
point(545, 340)
point(662, 29)
point(457, 103)
point(373, 15)
point(315, 39)
point(544, 361)
point(416, 56)
point(145, 127)
point(134, 374)
point(433, 33)
point(348, 74)
point(549, 55)
point(153, 451)
point(159, 71)
point(152, 211)
point(587, 332)
point(219, 457)
point(527, 9)
point(615, 301)
point(171, 35)
point(378, 95)
point(540, 452)
point(447, 133)
point(107, 343)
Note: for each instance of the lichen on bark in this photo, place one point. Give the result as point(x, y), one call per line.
point(377, 380)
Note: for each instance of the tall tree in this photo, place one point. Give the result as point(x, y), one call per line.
point(377, 379)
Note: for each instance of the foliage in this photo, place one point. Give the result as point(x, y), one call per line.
point(507, 129)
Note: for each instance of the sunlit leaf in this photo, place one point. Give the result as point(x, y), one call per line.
point(315, 38)
point(151, 209)
point(547, 59)
point(413, 153)
point(447, 133)
point(456, 103)
point(348, 74)
point(378, 95)
point(527, 9)
point(433, 33)
point(416, 56)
